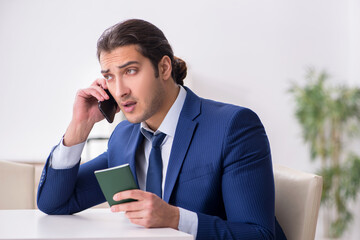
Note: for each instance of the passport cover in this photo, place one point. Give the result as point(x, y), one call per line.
point(114, 180)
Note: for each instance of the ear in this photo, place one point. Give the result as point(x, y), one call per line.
point(165, 68)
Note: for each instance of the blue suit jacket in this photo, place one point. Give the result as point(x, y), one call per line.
point(219, 167)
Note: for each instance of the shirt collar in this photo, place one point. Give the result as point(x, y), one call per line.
point(169, 124)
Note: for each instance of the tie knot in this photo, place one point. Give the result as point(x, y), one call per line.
point(157, 139)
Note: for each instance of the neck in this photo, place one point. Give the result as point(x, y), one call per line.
point(171, 94)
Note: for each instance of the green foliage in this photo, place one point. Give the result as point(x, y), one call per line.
point(310, 110)
point(330, 119)
point(349, 176)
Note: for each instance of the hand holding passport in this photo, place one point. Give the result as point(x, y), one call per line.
point(114, 180)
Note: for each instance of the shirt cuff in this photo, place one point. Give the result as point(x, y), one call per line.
point(188, 222)
point(64, 157)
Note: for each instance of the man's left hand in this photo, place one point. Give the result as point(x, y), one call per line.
point(149, 210)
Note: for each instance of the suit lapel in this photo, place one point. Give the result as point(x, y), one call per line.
point(184, 133)
point(135, 140)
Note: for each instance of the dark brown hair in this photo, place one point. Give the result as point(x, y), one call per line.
point(151, 43)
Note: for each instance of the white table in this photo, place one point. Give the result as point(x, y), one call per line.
point(89, 224)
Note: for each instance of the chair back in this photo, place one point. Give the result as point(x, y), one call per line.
point(16, 185)
point(297, 202)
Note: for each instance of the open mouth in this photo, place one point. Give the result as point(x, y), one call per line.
point(128, 106)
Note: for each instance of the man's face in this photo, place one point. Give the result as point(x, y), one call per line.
point(131, 80)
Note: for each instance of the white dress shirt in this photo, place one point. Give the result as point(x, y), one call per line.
point(67, 157)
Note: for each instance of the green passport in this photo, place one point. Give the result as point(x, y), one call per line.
point(114, 180)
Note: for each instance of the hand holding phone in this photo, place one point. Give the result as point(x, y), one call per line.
point(108, 107)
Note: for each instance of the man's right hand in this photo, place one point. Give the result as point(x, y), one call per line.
point(85, 112)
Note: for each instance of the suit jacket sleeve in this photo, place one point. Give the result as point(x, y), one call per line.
point(247, 184)
point(67, 191)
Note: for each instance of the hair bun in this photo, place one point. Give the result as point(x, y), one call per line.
point(179, 70)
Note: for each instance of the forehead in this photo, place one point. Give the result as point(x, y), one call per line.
point(121, 55)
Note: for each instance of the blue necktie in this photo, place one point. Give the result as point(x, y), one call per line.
point(154, 173)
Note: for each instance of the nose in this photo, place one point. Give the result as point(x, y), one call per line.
point(121, 90)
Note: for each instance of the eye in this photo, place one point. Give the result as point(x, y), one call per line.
point(131, 71)
point(108, 77)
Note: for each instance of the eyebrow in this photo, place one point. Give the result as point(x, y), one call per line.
point(121, 66)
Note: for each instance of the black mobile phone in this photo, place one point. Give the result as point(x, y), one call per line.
point(108, 107)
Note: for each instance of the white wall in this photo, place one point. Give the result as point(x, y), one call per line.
point(243, 52)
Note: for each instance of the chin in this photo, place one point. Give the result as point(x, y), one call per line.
point(133, 119)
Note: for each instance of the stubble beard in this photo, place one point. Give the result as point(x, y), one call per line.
point(152, 106)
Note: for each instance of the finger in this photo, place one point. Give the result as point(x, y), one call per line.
point(134, 214)
point(92, 92)
point(101, 91)
point(134, 194)
point(130, 206)
point(100, 85)
point(100, 82)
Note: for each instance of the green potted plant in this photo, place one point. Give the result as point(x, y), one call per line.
point(330, 120)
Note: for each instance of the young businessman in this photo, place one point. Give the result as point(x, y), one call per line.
point(214, 176)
